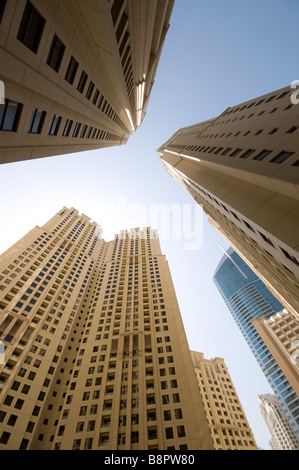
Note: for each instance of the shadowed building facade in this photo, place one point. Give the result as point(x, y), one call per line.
point(78, 75)
point(96, 355)
point(243, 168)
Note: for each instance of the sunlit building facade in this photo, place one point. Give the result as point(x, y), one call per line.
point(283, 435)
point(248, 299)
point(96, 356)
point(229, 427)
point(280, 333)
point(78, 75)
point(243, 168)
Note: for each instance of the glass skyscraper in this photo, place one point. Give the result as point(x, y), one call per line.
point(247, 297)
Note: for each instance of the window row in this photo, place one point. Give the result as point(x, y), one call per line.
point(30, 33)
point(288, 255)
point(280, 157)
point(10, 114)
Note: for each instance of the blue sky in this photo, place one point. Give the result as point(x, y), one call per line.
point(218, 53)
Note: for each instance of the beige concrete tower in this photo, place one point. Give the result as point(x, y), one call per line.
point(96, 355)
point(76, 75)
point(243, 168)
point(283, 435)
point(280, 334)
point(228, 424)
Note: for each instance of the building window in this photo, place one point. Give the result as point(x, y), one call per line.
point(67, 128)
point(55, 125)
point(226, 151)
point(83, 131)
point(262, 155)
point(116, 9)
point(56, 53)
point(71, 71)
point(247, 153)
point(89, 90)
point(169, 433)
point(96, 95)
point(36, 121)
point(4, 437)
point(2, 8)
point(31, 28)
point(235, 152)
point(9, 115)
point(76, 129)
point(181, 431)
point(282, 157)
point(266, 238)
point(290, 257)
point(82, 82)
point(134, 437)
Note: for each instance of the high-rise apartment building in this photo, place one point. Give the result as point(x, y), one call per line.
point(247, 298)
point(229, 427)
point(280, 333)
point(76, 75)
point(283, 435)
point(243, 168)
point(96, 355)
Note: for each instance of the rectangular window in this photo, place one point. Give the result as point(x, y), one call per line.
point(247, 153)
point(67, 128)
point(226, 151)
point(77, 128)
point(89, 90)
point(71, 71)
point(121, 26)
point(9, 115)
point(282, 157)
point(96, 95)
point(266, 238)
point(55, 125)
point(235, 152)
point(181, 431)
point(290, 257)
point(169, 433)
point(83, 131)
point(36, 121)
point(82, 82)
point(2, 8)
point(89, 132)
point(116, 9)
point(262, 155)
point(56, 53)
point(31, 28)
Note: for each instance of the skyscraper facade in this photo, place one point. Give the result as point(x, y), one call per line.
point(78, 75)
point(96, 355)
point(229, 427)
point(283, 435)
point(247, 298)
point(280, 333)
point(243, 168)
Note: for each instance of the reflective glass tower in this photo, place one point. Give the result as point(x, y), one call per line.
point(247, 298)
